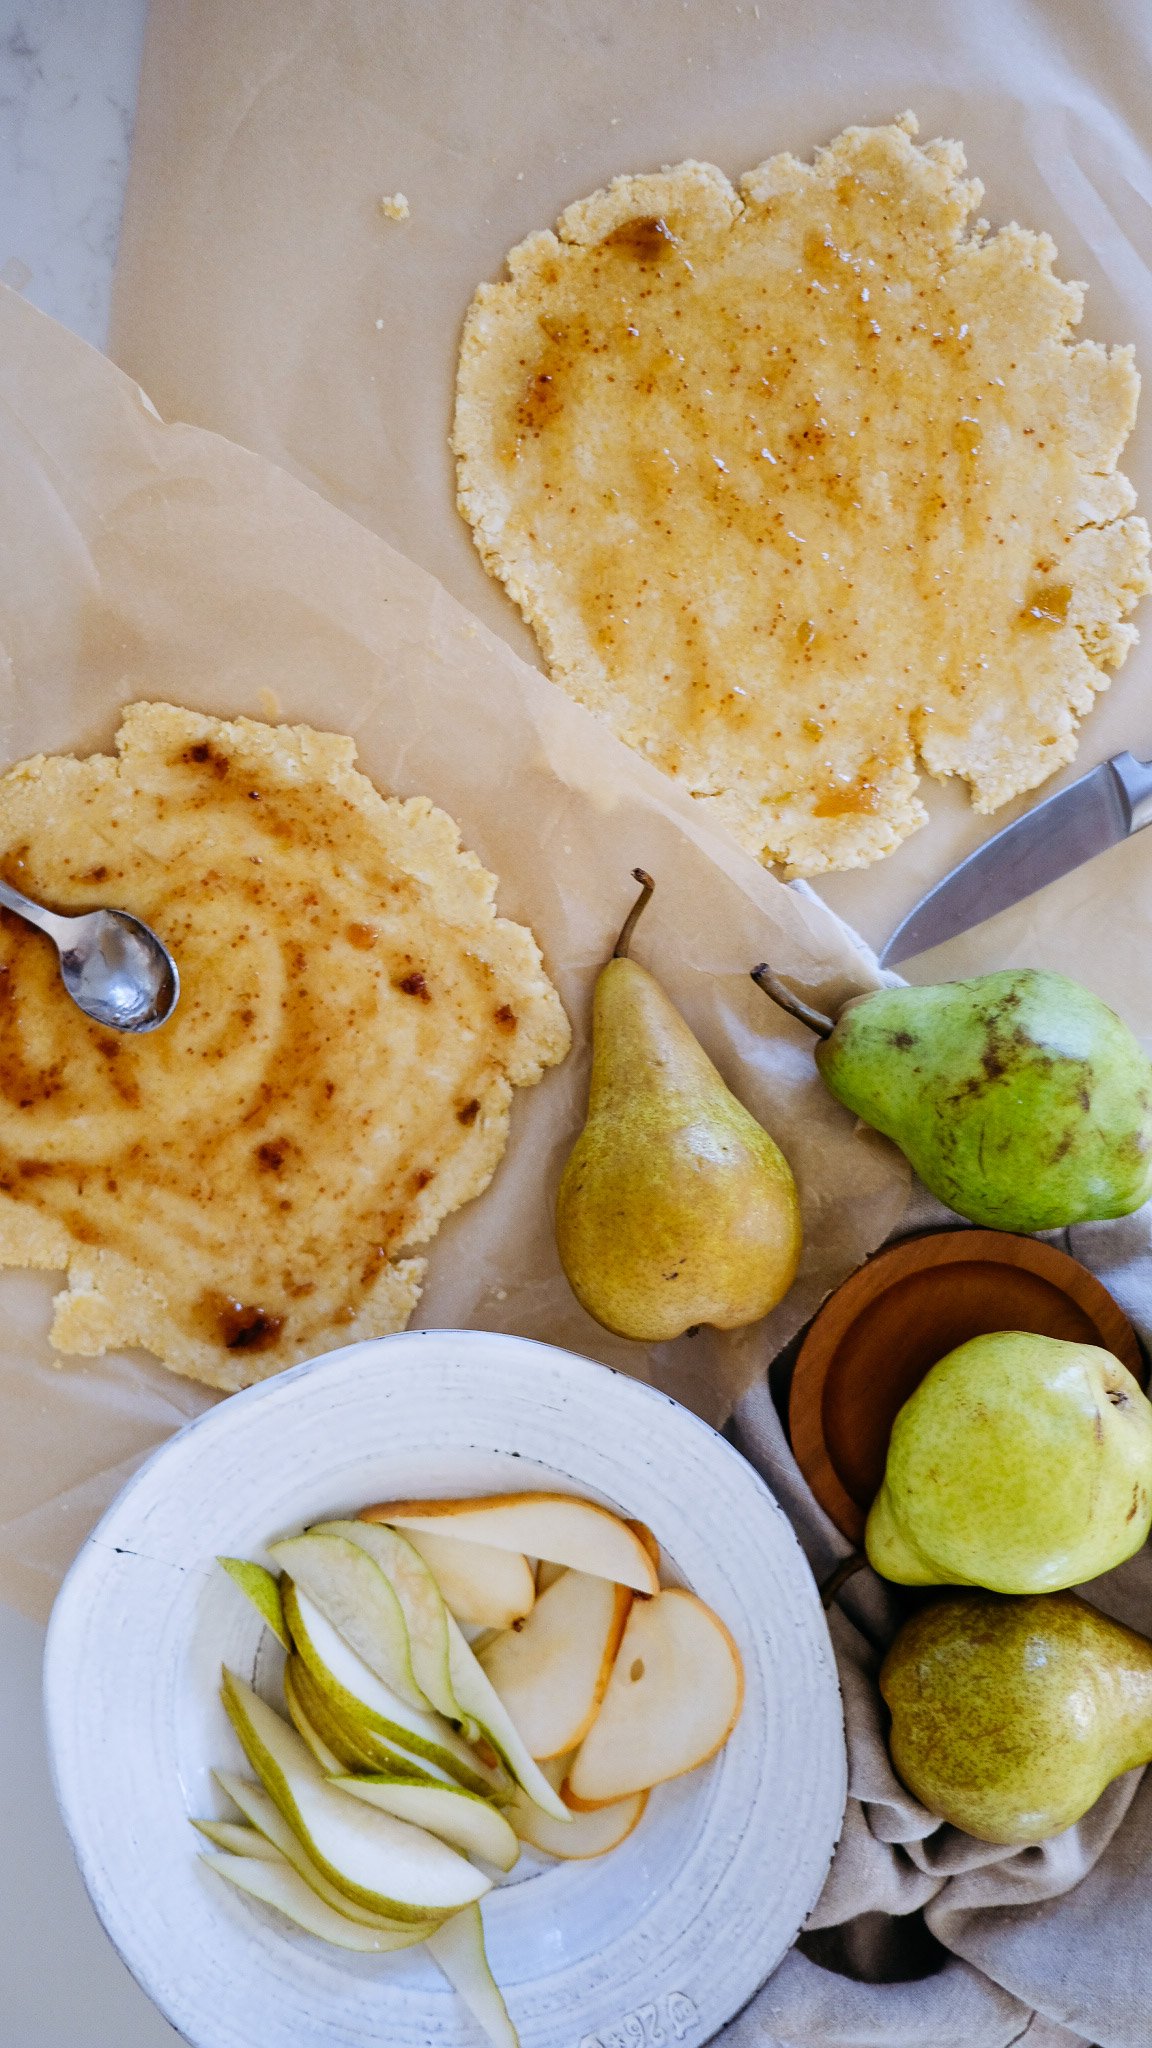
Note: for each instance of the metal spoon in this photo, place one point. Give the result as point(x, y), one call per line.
point(113, 966)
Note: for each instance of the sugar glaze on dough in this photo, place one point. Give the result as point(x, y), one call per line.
point(248, 1186)
point(806, 486)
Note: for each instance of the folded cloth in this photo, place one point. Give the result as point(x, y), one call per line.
point(923, 1937)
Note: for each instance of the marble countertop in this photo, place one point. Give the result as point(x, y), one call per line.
point(68, 73)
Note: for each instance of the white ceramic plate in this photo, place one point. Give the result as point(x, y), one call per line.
point(659, 1942)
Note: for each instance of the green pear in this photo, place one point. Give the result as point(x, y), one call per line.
point(1020, 1463)
point(1009, 1717)
point(1020, 1098)
point(675, 1207)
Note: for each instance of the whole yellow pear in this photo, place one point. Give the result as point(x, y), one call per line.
point(675, 1207)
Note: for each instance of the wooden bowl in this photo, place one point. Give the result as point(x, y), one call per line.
point(878, 1335)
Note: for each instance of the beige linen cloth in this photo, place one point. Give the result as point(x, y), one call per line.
point(1051, 1945)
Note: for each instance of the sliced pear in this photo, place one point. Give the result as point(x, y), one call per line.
point(358, 1599)
point(553, 1670)
point(479, 1698)
point(236, 1838)
point(458, 1947)
point(277, 1884)
point(462, 1818)
point(555, 1526)
point(673, 1699)
point(587, 1834)
point(421, 1604)
point(339, 1754)
point(357, 1695)
point(261, 1589)
point(645, 1536)
point(375, 1861)
point(546, 1575)
point(341, 1745)
point(482, 1586)
point(264, 1816)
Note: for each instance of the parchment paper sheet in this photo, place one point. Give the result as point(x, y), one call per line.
point(262, 293)
point(138, 559)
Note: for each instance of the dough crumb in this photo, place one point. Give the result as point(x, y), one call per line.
point(394, 206)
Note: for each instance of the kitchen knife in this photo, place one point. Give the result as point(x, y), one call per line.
point(1050, 840)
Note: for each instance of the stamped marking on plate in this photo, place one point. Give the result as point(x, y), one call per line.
point(672, 2018)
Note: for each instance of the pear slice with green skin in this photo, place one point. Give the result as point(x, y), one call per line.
point(236, 1838)
point(266, 1818)
point(458, 1947)
point(342, 1755)
point(351, 1591)
point(358, 1696)
point(673, 1699)
point(377, 1862)
point(350, 1745)
point(479, 1698)
point(587, 1834)
point(259, 1586)
point(552, 1672)
point(483, 1586)
point(277, 1884)
point(557, 1526)
point(460, 1818)
point(421, 1603)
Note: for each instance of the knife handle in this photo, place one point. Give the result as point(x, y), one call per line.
point(1135, 780)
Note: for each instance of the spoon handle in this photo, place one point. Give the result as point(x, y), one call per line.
point(33, 913)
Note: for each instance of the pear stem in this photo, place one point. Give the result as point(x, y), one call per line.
point(795, 1005)
point(620, 949)
point(845, 1570)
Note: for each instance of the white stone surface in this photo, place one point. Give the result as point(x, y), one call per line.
point(68, 72)
point(68, 75)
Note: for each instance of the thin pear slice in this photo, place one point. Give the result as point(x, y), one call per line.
point(261, 1589)
point(374, 1860)
point(546, 1575)
point(556, 1526)
point(341, 1754)
point(277, 1884)
point(468, 1822)
point(673, 1699)
point(421, 1604)
point(553, 1671)
point(458, 1947)
point(236, 1838)
point(357, 1695)
point(645, 1536)
point(587, 1834)
point(479, 1698)
point(257, 1808)
point(353, 1740)
point(353, 1594)
point(482, 1586)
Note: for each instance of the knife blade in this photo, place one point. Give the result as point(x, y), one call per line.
point(1103, 807)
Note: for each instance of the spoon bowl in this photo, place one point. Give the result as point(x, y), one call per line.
point(112, 964)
